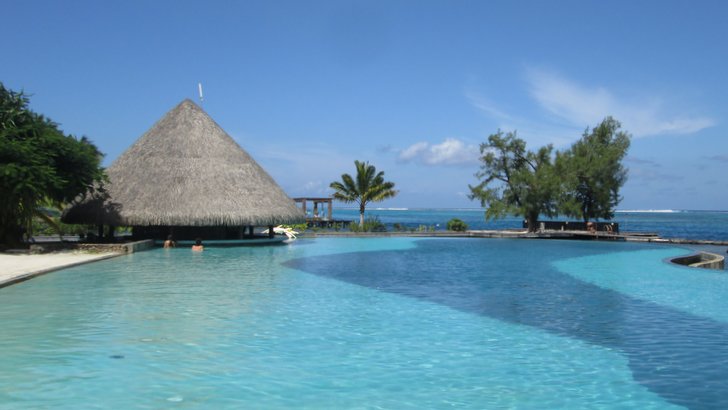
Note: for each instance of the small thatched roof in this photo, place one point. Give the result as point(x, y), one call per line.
point(187, 171)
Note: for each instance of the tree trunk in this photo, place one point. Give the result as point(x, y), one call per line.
point(110, 236)
point(362, 206)
point(532, 222)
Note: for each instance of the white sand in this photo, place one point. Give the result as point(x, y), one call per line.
point(13, 267)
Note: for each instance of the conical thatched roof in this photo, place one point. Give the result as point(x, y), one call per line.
point(187, 171)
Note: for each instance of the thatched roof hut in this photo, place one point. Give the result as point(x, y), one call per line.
point(187, 171)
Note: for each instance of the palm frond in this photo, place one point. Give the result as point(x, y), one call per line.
point(367, 186)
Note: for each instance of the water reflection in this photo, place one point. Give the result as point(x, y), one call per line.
point(675, 354)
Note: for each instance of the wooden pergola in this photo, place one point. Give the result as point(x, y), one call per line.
point(325, 202)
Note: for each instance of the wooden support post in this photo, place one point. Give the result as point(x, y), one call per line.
point(271, 234)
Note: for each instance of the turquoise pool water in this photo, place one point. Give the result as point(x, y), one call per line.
point(371, 323)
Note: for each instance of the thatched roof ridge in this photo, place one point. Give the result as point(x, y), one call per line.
point(187, 171)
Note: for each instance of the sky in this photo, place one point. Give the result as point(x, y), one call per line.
point(412, 87)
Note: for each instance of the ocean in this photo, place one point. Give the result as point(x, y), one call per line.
point(708, 225)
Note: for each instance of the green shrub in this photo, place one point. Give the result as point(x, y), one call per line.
point(370, 225)
point(457, 225)
point(41, 227)
point(355, 227)
point(425, 228)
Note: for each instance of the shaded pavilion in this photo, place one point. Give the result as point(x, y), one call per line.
point(317, 219)
point(325, 202)
point(188, 177)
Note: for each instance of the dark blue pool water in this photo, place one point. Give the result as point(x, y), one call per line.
point(679, 355)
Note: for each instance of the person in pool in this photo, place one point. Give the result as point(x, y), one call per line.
point(198, 245)
point(170, 243)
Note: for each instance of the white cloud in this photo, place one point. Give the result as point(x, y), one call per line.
point(536, 132)
point(452, 151)
point(413, 151)
point(487, 106)
point(586, 106)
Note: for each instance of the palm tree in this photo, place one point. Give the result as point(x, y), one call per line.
point(369, 186)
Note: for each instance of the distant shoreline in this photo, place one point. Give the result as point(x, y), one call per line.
point(619, 211)
point(518, 234)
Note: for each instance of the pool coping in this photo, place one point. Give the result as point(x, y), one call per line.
point(94, 253)
point(26, 275)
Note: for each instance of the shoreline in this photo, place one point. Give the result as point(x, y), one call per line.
point(521, 234)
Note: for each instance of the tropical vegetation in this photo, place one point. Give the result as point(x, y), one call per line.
point(515, 181)
point(371, 224)
point(367, 186)
point(592, 172)
point(40, 166)
point(457, 225)
point(582, 181)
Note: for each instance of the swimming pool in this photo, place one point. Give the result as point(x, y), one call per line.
point(371, 323)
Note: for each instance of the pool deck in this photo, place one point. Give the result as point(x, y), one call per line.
point(16, 268)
